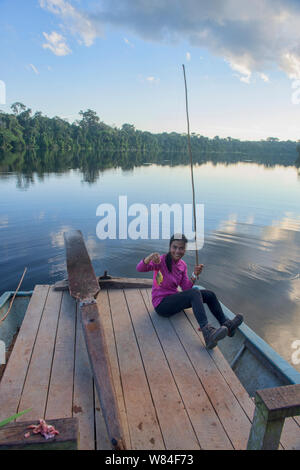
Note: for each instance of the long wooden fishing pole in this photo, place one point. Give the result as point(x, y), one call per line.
point(191, 161)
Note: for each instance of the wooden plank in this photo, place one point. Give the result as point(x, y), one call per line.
point(97, 349)
point(142, 420)
point(13, 379)
point(124, 283)
point(105, 312)
point(83, 283)
point(35, 390)
point(60, 396)
point(83, 398)
point(174, 421)
point(102, 439)
point(83, 286)
point(290, 437)
point(12, 436)
point(231, 414)
point(112, 283)
point(224, 367)
point(205, 421)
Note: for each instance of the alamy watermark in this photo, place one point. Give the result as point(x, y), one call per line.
point(2, 352)
point(296, 354)
point(296, 94)
point(150, 223)
point(2, 92)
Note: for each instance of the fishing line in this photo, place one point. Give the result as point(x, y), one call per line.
point(191, 161)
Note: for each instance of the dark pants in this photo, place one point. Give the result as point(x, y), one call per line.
point(193, 298)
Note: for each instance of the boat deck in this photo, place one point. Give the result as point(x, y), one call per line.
point(172, 392)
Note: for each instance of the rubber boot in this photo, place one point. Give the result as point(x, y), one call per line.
point(233, 324)
point(212, 335)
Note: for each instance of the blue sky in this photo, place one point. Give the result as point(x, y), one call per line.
point(123, 58)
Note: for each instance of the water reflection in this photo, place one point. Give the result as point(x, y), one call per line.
point(262, 282)
point(32, 165)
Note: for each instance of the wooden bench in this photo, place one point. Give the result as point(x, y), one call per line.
point(273, 406)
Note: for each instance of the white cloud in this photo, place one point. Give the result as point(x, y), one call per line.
point(56, 43)
point(290, 62)
point(77, 22)
point(188, 56)
point(152, 79)
point(250, 35)
point(264, 77)
point(242, 69)
point(34, 68)
point(128, 42)
point(245, 79)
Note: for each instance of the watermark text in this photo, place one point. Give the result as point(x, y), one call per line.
point(296, 94)
point(2, 92)
point(139, 221)
point(296, 354)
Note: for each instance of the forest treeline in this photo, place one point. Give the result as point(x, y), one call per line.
point(21, 130)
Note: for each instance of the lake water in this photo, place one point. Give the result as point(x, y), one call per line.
point(251, 226)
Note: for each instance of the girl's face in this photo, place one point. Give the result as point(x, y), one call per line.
point(177, 249)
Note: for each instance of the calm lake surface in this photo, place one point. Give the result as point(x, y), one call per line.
point(251, 247)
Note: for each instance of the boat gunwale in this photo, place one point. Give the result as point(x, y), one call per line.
point(277, 362)
point(8, 294)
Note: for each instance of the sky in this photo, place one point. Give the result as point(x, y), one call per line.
point(123, 59)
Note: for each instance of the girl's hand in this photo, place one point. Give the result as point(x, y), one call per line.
point(198, 269)
point(155, 257)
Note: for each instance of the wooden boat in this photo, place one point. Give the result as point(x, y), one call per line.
point(170, 391)
point(10, 326)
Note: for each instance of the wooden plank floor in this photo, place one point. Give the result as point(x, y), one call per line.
point(172, 392)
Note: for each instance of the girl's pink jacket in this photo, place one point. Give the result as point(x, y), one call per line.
point(164, 282)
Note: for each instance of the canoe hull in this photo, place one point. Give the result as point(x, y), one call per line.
point(11, 324)
point(254, 362)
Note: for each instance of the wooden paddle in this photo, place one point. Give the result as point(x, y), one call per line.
point(84, 286)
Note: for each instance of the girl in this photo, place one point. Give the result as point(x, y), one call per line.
point(170, 271)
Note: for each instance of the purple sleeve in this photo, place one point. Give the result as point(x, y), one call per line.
point(186, 283)
point(143, 267)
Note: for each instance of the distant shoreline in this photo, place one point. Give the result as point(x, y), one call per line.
point(21, 131)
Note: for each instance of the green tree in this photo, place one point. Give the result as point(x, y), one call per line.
point(17, 108)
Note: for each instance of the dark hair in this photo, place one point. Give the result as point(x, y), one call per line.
point(175, 237)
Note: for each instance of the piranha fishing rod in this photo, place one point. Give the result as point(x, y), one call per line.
point(191, 161)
